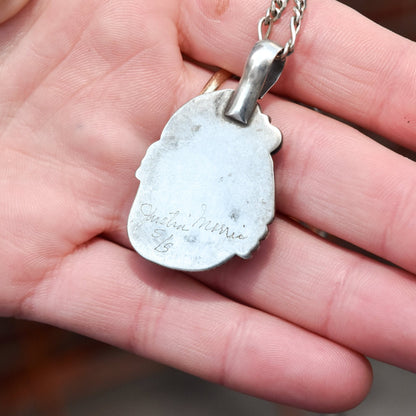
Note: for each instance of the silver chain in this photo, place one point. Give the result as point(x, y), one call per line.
point(274, 13)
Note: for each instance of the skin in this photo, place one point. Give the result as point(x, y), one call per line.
point(88, 86)
point(8, 8)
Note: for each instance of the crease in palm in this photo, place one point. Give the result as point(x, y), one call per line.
point(89, 87)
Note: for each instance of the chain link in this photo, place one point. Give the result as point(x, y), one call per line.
point(274, 13)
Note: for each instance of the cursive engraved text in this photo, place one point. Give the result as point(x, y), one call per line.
point(177, 220)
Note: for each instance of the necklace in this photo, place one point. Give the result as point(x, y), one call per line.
point(207, 186)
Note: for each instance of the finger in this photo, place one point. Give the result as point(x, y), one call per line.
point(319, 198)
point(109, 293)
point(9, 8)
point(362, 75)
point(333, 177)
point(318, 186)
point(326, 289)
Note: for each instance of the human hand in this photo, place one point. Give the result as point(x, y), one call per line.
point(86, 88)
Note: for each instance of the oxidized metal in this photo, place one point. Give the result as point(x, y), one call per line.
point(206, 187)
point(261, 72)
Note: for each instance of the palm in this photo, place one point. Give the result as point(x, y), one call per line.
point(89, 122)
point(90, 86)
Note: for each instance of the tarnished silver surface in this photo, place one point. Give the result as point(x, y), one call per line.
point(206, 187)
point(261, 72)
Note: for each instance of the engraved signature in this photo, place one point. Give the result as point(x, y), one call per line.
point(179, 221)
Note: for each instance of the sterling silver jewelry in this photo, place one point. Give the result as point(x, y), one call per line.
point(207, 186)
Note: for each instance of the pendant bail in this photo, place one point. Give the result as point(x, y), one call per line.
point(263, 69)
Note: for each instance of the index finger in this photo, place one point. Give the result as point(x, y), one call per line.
point(343, 63)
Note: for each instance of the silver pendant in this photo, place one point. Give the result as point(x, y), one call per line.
point(207, 186)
